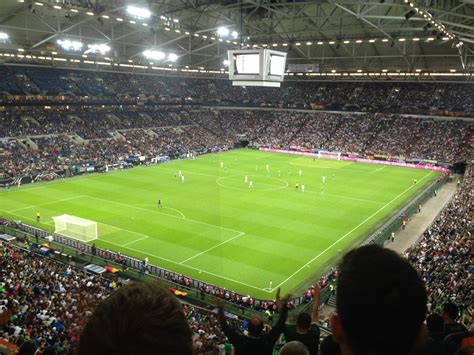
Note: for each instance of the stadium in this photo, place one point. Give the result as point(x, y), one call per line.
point(167, 168)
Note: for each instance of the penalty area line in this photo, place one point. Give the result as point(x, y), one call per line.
point(163, 214)
point(189, 267)
point(212, 248)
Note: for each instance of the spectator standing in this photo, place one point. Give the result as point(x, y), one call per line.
point(306, 329)
point(449, 314)
point(257, 342)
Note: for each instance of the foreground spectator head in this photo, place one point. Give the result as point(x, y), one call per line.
point(435, 323)
point(294, 348)
point(255, 327)
point(27, 348)
point(381, 303)
point(140, 318)
point(450, 312)
point(303, 321)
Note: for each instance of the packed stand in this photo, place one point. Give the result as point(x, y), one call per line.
point(45, 301)
point(443, 255)
point(80, 85)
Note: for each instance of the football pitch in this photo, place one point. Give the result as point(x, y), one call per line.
point(214, 228)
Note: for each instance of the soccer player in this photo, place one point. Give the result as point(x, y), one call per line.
point(180, 173)
point(175, 176)
point(296, 187)
point(182, 178)
point(267, 167)
point(271, 282)
point(302, 187)
point(222, 164)
point(251, 184)
point(159, 204)
point(38, 216)
point(414, 181)
point(246, 179)
point(393, 236)
point(300, 172)
point(333, 177)
point(324, 179)
point(279, 173)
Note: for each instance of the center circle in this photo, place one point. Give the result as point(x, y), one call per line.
point(260, 183)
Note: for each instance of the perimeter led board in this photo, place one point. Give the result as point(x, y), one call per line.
point(256, 67)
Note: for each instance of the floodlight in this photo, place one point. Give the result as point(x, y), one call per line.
point(97, 48)
point(226, 62)
point(172, 57)
point(223, 31)
point(235, 34)
point(138, 11)
point(70, 45)
point(151, 54)
point(4, 36)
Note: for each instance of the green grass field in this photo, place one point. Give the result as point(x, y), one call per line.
point(213, 227)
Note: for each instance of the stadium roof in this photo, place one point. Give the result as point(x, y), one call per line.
point(343, 35)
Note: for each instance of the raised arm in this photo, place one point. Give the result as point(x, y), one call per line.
point(282, 305)
point(231, 334)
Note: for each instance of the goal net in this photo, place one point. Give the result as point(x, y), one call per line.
point(75, 227)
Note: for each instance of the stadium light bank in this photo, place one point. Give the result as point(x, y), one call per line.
point(138, 12)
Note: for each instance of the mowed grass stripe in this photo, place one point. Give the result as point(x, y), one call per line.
point(283, 228)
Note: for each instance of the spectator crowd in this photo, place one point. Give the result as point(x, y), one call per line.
point(35, 84)
point(56, 141)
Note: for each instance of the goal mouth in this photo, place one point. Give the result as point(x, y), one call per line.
point(75, 227)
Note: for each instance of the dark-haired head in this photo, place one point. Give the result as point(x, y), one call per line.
point(140, 318)
point(303, 321)
point(450, 312)
point(381, 303)
point(255, 327)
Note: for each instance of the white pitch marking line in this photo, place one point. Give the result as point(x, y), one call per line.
point(164, 214)
point(345, 197)
point(167, 208)
point(212, 248)
point(376, 170)
point(44, 204)
point(345, 235)
point(189, 267)
point(134, 241)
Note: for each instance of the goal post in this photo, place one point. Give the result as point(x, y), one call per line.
point(75, 227)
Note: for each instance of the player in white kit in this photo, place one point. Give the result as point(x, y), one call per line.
point(250, 184)
point(246, 179)
point(182, 178)
point(324, 179)
point(302, 187)
point(300, 172)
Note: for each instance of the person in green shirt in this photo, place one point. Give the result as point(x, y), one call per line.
point(306, 329)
